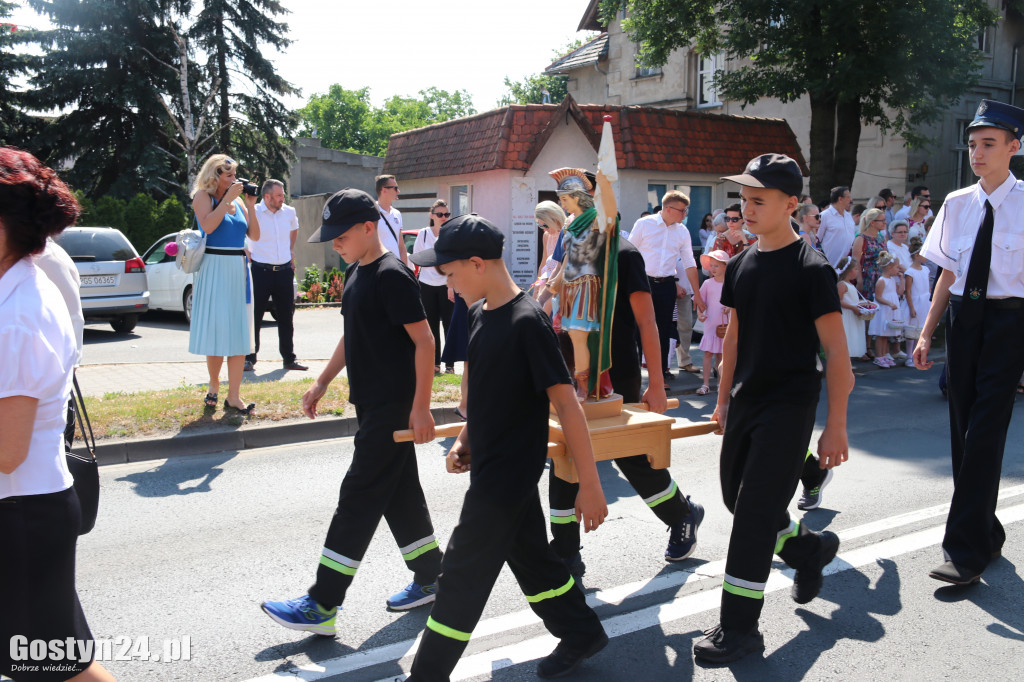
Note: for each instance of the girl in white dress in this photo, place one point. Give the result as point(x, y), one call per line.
point(848, 271)
point(888, 290)
point(917, 296)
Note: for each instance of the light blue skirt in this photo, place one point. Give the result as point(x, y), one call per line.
point(222, 320)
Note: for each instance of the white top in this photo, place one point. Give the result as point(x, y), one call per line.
point(55, 262)
point(662, 245)
point(901, 251)
point(274, 247)
point(35, 328)
point(836, 233)
point(916, 230)
point(388, 235)
point(429, 276)
point(951, 240)
point(684, 281)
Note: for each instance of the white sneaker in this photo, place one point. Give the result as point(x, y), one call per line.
point(900, 355)
point(910, 362)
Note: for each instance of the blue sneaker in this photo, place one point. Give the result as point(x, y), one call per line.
point(682, 539)
point(412, 596)
point(302, 614)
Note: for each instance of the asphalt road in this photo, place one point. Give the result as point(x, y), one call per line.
point(190, 547)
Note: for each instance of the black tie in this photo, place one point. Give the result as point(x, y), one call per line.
point(976, 284)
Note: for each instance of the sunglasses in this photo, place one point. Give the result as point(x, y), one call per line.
point(442, 215)
point(390, 186)
point(733, 220)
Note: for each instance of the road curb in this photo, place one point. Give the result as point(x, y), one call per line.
point(243, 438)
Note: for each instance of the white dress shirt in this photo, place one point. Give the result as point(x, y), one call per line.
point(951, 240)
point(425, 239)
point(274, 247)
point(836, 233)
point(662, 245)
point(55, 262)
point(389, 235)
point(36, 331)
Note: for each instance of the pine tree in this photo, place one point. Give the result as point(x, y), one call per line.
point(100, 70)
point(255, 125)
point(16, 126)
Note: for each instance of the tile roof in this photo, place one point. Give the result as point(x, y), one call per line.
point(590, 53)
point(646, 138)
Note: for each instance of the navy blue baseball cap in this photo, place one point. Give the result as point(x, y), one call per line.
point(772, 171)
point(345, 208)
point(993, 114)
point(462, 237)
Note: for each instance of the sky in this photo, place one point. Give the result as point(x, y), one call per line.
point(404, 46)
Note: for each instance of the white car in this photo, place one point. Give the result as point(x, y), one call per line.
point(169, 287)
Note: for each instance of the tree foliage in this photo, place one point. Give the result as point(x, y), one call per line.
point(347, 120)
point(15, 125)
point(898, 64)
point(530, 90)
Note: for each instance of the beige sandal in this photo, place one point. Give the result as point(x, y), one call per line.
point(704, 390)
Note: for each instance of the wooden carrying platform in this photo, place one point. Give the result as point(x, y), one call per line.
point(616, 430)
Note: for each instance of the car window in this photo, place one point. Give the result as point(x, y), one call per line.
point(157, 253)
point(84, 245)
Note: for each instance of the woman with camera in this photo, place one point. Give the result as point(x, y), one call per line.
point(40, 514)
point(222, 321)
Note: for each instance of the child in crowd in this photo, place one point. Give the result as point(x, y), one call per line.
point(888, 290)
point(516, 372)
point(917, 296)
point(716, 314)
point(848, 271)
point(388, 349)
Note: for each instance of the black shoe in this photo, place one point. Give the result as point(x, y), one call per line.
point(296, 366)
point(577, 569)
point(808, 580)
point(811, 497)
point(249, 365)
point(955, 574)
point(565, 658)
point(725, 646)
point(668, 376)
point(244, 412)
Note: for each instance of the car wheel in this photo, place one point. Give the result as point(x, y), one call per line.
point(125, 323)
point(186, 303)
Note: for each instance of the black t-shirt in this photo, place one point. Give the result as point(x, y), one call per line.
point(513, 359)
point(777, 296)
point(378, 299)
point(625, 371)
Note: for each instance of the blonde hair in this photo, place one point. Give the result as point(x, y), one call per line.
point(844, 266)
point(916, 204)
point(675, 195)
point(206, 179)
point(867, 216)
point(550, 213)
point(885, 259)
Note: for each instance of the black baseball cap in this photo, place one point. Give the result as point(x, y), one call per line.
point(463, 237)
point(345, 208)
point(995, 114)
point(772, 171)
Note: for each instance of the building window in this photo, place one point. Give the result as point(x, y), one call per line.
point(964, 174)
point(460, 200)
point(985, 40)
point(707, 92)
point(645, 71)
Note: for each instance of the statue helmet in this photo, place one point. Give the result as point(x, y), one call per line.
point(573, 180)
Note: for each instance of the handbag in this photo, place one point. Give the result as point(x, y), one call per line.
point(84, 468)
point(721, 329)
point(191, 247)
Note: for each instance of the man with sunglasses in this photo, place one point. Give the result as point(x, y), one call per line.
point(389, 227)
point(919, 191)
point(735, 238)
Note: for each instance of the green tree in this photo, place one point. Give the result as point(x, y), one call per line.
point(530, 90)
point(898, 64)
point(16, 126)
point(171, 217)
point(338, 117)
point(255, 125)
point(108, 211)
point(140, 221)
point(85, 216)
point(107, 88)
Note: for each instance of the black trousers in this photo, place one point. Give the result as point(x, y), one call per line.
point(984, 364)
point(763, 455)
point(382, 480)
point(439, 310)
point(663, 294)
point(270, 284)
point(488, 535)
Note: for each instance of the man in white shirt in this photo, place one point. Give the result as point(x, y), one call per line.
point(977, 241)
point(837, 229)
point(919, 191)
point(663, 240)
point(273, 269)
point(389, 227)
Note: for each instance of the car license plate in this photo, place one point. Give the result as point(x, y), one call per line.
point(98, 280)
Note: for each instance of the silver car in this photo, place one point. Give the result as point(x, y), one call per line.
point(114, 287)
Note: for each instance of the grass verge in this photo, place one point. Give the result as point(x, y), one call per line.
point(135, 415)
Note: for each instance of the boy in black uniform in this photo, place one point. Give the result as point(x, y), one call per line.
point(634, 308)
point(386, 341)
point(516, 371)
point(977, 241)
point(785, 298)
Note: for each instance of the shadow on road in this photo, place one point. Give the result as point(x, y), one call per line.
point(1001, 580)
point(179, 475)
